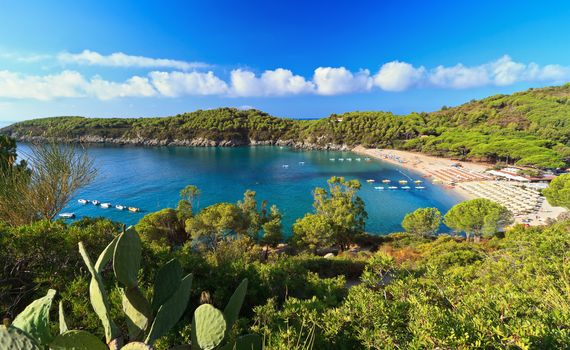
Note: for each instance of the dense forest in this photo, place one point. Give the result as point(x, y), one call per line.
point(527, 128)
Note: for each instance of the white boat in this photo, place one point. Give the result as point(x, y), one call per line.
point(285, 166)
point(134, 209)
point(301, 163)
point(67, 215)
point(358, 159)
point(405, 187)
point(82, 201)
point(341, 159)
point(120, 207)
point(105, 205)
point(367, 159)
point(370, 180)
point(95, 202)
point(332, 159)
point(393, 187)
point(349, 159)
point(379, 187)
point(420, 187)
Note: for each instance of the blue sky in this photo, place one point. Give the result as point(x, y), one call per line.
point(290, 58)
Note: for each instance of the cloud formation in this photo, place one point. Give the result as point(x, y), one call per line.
point(119, 59)
point(393, 76)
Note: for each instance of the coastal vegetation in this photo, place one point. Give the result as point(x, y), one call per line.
point(225, 276)
point(527, 128)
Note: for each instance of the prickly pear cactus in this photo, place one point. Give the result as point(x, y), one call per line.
point(138, 312)
point(208, 327)
point(171, 311)
point(127, 258)
point(77, 340)
point(106, 255)
point(34, 320)
point(62, 322)
point(166, 282)
point(99, 298)
point(231, 312)
point(137, 346)
point(15, 339)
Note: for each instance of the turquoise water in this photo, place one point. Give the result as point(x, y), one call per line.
point(151, 179)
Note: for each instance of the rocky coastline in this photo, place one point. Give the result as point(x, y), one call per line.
point(195, 142)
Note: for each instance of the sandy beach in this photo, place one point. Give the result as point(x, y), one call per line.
point(428, 165)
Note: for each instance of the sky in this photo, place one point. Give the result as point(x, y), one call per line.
point(298, 59)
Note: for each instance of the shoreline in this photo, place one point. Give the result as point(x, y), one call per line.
point(426, 165)
point(422, 164)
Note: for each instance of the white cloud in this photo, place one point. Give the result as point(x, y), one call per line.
point(398, 76)
point(335, 81)
point(119, 59)
point(133, 87)
point(174, 84)
point(277, 82)
point(47, 87)
point(501, 72)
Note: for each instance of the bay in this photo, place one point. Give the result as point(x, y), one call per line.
point(151, 178)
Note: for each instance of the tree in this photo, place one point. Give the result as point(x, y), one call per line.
point(272, 228)
point(215, 223)
point(162, 227)
point(7, 151)
point(558, 192)
point(478, 217)
point(422, 222)
point(41, 191)
point(252, 216)
point(189, 194)
point(343, 209)
point(314, 231)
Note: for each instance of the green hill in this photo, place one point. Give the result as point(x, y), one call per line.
point(527, 128)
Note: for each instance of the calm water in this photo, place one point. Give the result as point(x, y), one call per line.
point(151, 179)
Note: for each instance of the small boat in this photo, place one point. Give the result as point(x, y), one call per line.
point(120, 207)
point(105, 205)
point(134, 209)
point(357, 159)
point(95, 202)
point(349, 159)
point(67, 215)
point(285, 166)
point(420, 187)
point(405, 187)
point(82, 201)
point(393, 187)
point(370, 180)
point(379, 187)
point(341, 159)
point(301, 163)
point(403, 182)
point(332, 159)
point(367, 159)
point(418, 181)
point(386, 181)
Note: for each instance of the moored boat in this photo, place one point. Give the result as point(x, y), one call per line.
point(418, 181)
point(105, 205)
point(393, 187)
point(134, 209)
point(386, 181)
point(120, 207)
point(405, 187)
point(370, 180)
point(95, 202)
point(403, 182)
point(379, 187)
point(82, 201)
point(420, 187)
point(67, 215)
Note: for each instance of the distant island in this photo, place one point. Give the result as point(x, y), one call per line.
point(529, 128)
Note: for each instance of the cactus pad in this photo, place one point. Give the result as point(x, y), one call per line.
point(127, 258)
point(136, 346)
point(231, 312)
point(34, 320)
point(15, 339)
point(209, 326)
point(166, 282)
point(77, 340)
point(138, 312)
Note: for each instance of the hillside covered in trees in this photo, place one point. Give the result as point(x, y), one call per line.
point(527, 128)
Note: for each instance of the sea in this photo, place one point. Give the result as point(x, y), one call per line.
point(151, 178)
